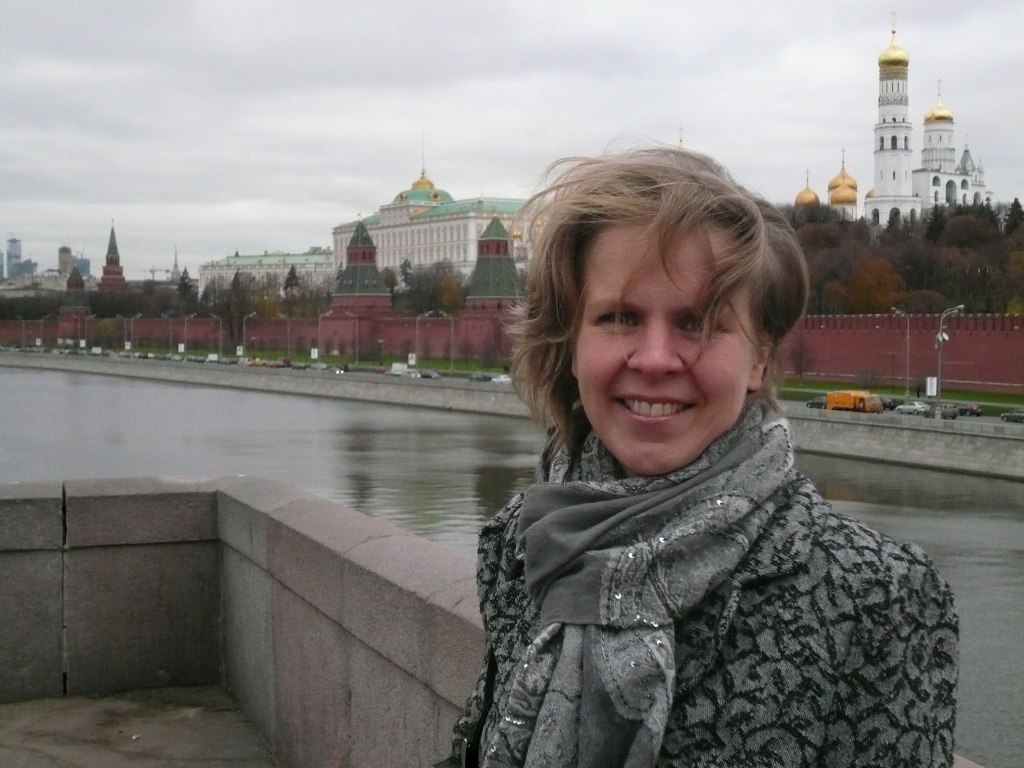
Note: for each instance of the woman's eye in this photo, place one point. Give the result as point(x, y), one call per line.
point(617, 318)
point(691, 322)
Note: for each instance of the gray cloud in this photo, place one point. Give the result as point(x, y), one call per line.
point(217, 126)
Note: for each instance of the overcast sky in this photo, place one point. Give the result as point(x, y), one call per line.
point(212, 127)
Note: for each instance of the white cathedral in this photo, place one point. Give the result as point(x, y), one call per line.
point(898, 187)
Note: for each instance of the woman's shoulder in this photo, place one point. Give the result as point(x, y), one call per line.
point(853, 551)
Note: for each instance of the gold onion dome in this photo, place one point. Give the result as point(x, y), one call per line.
point(870, 193)
point(843, 195)
point(938, 114)
point(842, 179)
point(806, 196)
point(893, 56)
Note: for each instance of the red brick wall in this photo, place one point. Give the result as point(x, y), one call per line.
point(984, 352)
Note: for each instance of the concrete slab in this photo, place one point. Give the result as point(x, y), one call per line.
point(198, 727)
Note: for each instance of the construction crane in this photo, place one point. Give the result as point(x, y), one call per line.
point(153, 270)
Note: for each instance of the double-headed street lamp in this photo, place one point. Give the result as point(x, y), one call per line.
point(900, 312)
point(940, 339)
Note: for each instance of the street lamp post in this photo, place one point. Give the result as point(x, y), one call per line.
point(900, 312)
point(131, 329)
point(416, 343)
point(288, 335)
point(319, 332)
point(184, 345)
point(940, 339)
point(355, 363)
point(22, 330)
point(170, 333)
point(251, 314)
point(220, 336)
point(124, 331)
point(451, 339)
point(41, 339)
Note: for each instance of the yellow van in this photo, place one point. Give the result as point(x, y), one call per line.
point(853, 400)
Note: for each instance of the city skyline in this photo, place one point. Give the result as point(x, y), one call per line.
point(210, 128)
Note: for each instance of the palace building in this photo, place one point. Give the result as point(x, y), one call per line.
point(424, 225)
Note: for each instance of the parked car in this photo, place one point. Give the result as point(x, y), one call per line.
point(429, 374)
point(948, 410)
point(913, 407)
point(887, 402)
point(501, 378)
point(479, 377)
point(816, 402)
point(1017, 415)
point(969, 409)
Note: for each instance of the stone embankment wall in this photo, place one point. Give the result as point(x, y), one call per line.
point(971, 446)
point(344, 640)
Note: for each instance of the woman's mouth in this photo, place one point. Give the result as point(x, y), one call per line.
point(653, 410)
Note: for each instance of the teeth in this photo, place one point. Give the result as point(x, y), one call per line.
point(644, 408)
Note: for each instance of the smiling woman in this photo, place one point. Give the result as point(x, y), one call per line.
point(672, 590)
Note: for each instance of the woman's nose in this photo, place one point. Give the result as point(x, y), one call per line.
point(657, 348)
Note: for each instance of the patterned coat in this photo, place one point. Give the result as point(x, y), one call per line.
point(831, 645)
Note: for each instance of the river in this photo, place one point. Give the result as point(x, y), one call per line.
point(440, 474)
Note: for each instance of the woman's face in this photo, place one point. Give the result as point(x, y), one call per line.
point(653, 395)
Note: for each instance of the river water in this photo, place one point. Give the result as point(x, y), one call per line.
point(441, 474)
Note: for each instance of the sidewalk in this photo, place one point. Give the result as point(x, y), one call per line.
point(161, 728)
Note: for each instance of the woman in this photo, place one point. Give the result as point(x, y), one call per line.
point(672, 592)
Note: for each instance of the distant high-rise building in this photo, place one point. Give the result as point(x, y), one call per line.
point(65, 261)
point(13, 259)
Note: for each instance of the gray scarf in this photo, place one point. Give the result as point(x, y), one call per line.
point(612, 563)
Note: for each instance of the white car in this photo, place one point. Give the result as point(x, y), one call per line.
point(913, 407)
point(502, 378)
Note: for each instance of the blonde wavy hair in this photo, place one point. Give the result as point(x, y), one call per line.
point(672, 192)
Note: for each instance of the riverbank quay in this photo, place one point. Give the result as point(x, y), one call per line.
point(225, 621)
point(980, 447)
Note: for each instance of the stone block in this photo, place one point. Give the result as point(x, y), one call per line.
point(246, 608)
point(30, 629)
point(31, 516)
point(312, 687)
point(139, 511)
point(142, 617)
point(395, 720)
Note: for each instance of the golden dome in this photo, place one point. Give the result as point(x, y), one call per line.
point(807, 196)
point(843, 195)
point(870, 193)
point(893, 56)
point(423, 182)
point(842, 179)
point(938, 114)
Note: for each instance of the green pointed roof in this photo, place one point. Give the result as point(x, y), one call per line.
point(361, 236)
point(495, 231)
point(112, 248)
point(494, 276)
point(361, 280)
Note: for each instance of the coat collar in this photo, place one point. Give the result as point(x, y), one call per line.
point(788, 537)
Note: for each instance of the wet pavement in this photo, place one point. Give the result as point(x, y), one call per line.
point(198, 727)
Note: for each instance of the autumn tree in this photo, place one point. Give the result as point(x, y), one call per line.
point(874, 286)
